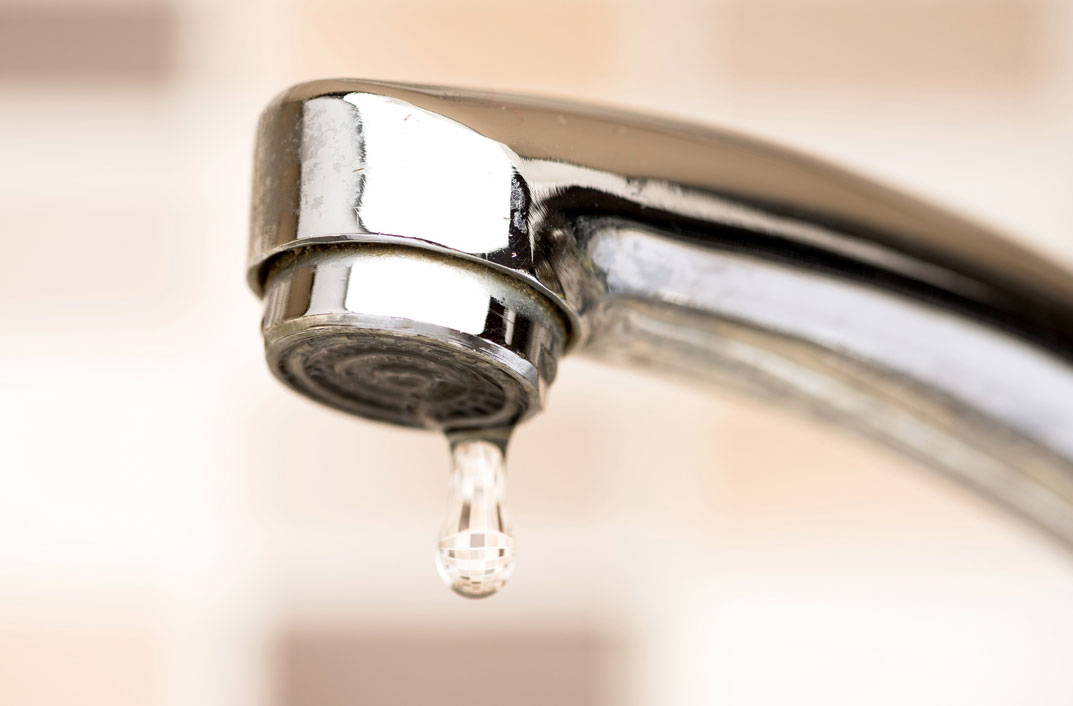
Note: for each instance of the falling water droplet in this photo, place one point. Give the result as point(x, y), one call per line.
point(476, 554)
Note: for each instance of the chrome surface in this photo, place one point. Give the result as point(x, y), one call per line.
point(707, 254)
point(410, 337)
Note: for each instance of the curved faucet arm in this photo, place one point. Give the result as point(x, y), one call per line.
point(714, 255)
point(985, 407)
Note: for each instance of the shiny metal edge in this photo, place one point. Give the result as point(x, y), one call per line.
point(430, 317)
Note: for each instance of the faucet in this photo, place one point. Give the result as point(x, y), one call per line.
point(426, 255)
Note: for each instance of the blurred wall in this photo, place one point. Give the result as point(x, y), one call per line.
point(170, 535)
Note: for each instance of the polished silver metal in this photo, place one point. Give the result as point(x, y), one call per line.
point(648, 241)
point(411, 337)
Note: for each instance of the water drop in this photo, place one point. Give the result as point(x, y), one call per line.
point(476, 553)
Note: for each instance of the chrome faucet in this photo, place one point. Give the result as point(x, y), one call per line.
point(426, 255)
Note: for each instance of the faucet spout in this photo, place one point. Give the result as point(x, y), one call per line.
point(427, 254)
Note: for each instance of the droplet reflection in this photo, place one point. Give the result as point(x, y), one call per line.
point(476, 553)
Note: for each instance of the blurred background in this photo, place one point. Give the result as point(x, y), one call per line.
point(176, 528)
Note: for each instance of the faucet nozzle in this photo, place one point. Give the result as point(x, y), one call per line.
point(416, 338)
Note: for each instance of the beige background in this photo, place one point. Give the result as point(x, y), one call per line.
point(176, 528)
